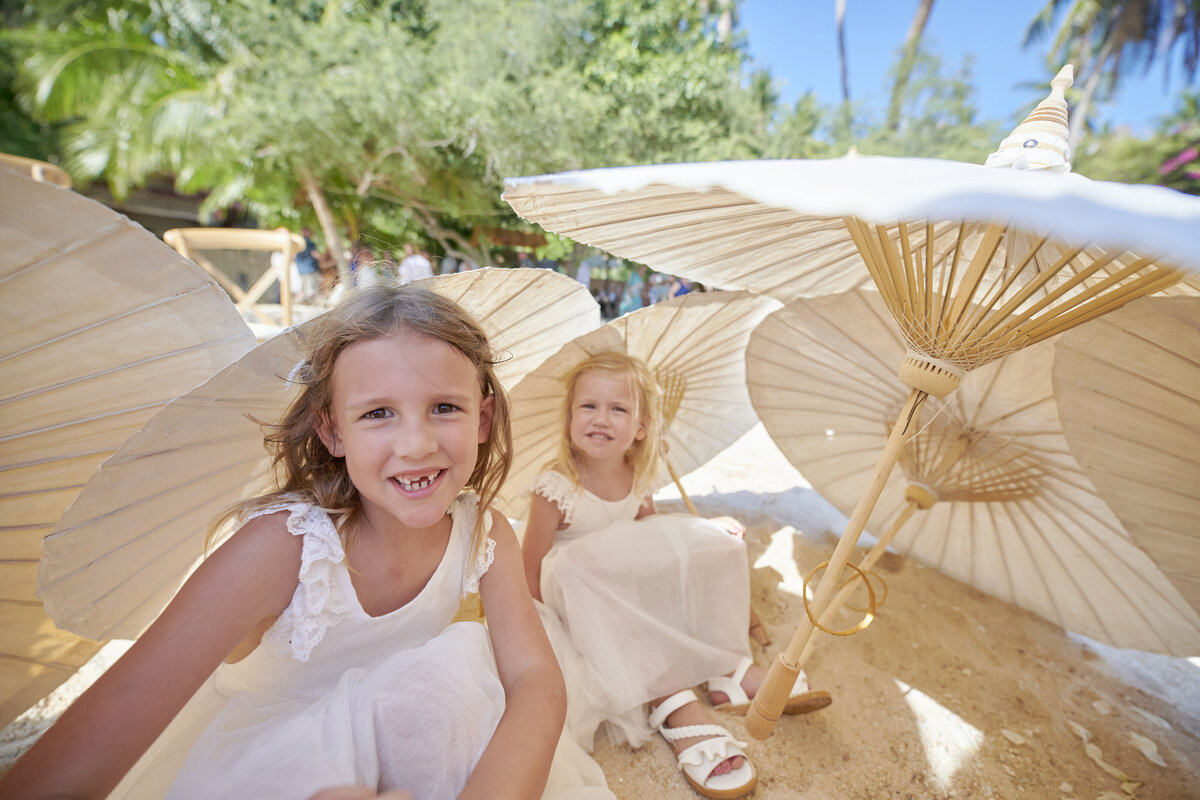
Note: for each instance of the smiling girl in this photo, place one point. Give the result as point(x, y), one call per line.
point(315, 647)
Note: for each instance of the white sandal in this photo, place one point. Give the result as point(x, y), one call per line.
point(699, 760)
point(801, 700)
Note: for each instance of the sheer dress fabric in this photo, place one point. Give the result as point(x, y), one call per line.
point(335, 696)
point(637, 609)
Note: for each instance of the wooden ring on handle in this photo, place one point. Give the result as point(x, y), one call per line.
point(878, 603)
point(866, 620)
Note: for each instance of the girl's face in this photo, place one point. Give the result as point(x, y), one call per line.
point(604, 421)
point(408, 416)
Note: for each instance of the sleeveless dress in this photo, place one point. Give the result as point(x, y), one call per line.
point(335, 696)
point(637, 609)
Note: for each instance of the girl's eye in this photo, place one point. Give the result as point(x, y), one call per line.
point(378, 413)
point(444, 408)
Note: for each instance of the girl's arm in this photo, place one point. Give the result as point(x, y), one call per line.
point(247, 580)
point(540, 530)
point(516, 762)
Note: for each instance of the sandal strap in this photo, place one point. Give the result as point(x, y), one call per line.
point(732, 686)
point(676, 701)
point(686, 731)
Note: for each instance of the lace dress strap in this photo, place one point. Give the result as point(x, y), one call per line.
point(320, 599)
point(468, 506)
point(558, 489)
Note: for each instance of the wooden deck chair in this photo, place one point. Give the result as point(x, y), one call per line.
point(38, 170)
point(243, 261)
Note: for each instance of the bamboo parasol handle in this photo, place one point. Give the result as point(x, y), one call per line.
point(867, 562)
point(768, 704)
point(687, 501)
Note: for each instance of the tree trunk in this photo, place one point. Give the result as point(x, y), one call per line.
point(840, 11)
point(1079, 114)
point(911, 43)
point(333, 240)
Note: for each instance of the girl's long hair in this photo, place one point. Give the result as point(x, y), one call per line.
point(643, 454)
point(304, 468)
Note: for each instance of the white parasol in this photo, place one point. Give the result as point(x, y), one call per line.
point(138, 528)
point(1129, 390)
point(973, 262)
point(695, 346)
point(102, 324)
point(988, 487)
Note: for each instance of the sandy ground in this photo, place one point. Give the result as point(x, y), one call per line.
point(949, 694)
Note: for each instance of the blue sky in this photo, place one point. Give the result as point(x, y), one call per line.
point(796, 41)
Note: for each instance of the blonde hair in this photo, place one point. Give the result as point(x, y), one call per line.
point(643, 454)
point(304, 467)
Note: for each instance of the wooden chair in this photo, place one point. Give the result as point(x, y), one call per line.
point(38, 170)
point(202, 245)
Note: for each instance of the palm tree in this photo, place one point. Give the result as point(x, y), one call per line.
point(840, 17)
point(1109, 39)
point(904, 69)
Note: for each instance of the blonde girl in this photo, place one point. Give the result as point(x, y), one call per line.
point(314, 648)
point(640, 605)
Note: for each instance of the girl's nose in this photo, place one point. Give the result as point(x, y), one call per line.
point(415, 439)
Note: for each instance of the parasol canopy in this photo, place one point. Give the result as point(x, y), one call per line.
point(138, 528)
point(695, 346)
point(973, 262)
point(102, 325)
point(1128, 387)
point(995, 497)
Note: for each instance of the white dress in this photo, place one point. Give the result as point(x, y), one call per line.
point(640, 608)
point(335, 696)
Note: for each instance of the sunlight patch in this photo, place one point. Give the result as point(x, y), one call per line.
point(780, 557)
point(948, 738)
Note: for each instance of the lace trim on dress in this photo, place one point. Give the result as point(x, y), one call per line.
point(559, 489)
point(320, 599)
point(469, 505)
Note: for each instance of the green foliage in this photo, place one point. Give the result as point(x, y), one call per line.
point(938, 119)
point(1170, 157)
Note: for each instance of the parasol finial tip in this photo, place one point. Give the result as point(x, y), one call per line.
point(1041, 141)
point(1062, 81)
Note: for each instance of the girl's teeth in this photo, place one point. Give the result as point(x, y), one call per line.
point(419, 483)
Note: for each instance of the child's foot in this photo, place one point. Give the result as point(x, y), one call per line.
point(694, 714)
point(734, 692)
point(758, 631)
point(712, 761)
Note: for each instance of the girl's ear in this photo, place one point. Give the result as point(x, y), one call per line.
point(641, 431)
point(486, 410)
point(329, 436)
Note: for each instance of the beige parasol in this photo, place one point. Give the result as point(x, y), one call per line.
point(973, 262)
point(138, 527)
point(1129, 390)
point(695, 346)
point(102, 324)
point(986, 491)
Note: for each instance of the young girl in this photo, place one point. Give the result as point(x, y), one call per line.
point(644, 605)
point(316, 644)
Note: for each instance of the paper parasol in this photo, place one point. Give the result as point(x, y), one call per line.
point(973, 262)
point(988, 487)
point(695, 346)
point(102, 324)
point(1128, 387)
point(138, 528)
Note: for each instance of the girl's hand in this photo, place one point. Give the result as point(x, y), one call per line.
point(730, 526)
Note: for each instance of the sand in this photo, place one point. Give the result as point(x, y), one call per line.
point(950, 693)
